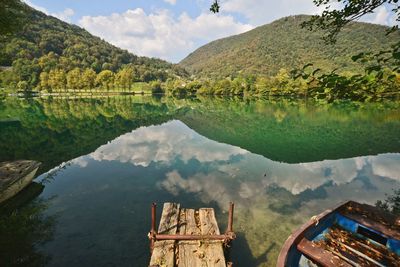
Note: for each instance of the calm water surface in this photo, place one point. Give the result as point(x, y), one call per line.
point(106, 160)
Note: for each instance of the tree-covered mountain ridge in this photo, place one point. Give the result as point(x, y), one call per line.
point(45, 44)
point(284, 44)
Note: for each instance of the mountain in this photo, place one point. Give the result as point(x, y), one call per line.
point(44, 43)
point(284, 44)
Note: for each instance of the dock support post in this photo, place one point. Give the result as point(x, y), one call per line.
point(153, 226)
point(230, 218)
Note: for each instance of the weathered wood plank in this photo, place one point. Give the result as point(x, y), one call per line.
point(163, 252)
point(319, 255)
point(213, 251)
point(190, 252)
point(373, 218)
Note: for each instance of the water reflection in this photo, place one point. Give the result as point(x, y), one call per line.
point(281, 161)
point(23, 227)
point(112, 187)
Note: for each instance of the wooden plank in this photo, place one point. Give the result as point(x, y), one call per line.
point(190, 252)
point(213, 251)
point(373, 218)
point(373, 250)
point(320, 256)
point(163, 252)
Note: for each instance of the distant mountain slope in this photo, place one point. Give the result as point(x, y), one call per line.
point(284, 44)
point(46, 43)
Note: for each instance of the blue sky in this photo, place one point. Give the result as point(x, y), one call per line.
point(171, 29)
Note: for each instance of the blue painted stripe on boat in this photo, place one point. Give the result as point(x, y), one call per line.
point(394, 245)
point(346, 223)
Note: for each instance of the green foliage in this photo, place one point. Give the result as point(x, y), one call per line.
point(391, 203)
point(11, 16)
point(74, 79)
point(215, 7)
point(65, 129)
point(332, 21)
point(156, 88)
point(88, 78)
point(48, 45)
point(284, 44)
point(105, 79)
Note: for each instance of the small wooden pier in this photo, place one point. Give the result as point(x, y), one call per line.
point(188, 237)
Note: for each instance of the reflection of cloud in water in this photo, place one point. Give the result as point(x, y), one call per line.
point(386, 166)
point(81, 161)
point(249, 176)
point(163, 144)
point(208, 187)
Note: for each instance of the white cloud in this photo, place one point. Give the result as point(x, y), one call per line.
point(261, 12)
point(382, 15)
point(171, 2)
point(160, 34)
point(386, 166)
point(64, 15)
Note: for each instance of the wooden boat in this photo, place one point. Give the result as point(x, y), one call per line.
point(352, 234)
point(15, 176)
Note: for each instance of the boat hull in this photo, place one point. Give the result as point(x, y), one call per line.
point(321, 239)
point(15, 176)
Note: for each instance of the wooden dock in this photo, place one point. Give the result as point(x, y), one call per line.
point(189, 238)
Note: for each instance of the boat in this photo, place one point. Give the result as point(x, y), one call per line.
point(352, 234)
point(15, 176)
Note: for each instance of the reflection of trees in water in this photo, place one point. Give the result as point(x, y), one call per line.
point(23, 227)
point(391, 203)
point(53, 131)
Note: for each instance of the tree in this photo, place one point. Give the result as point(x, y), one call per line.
point(156, 88)
point(27, 70)
point(215, 7)
point(125, 77)
point(11, 16)
point(44, 81)
point(48, 61)
point(88, 78)
point(57, 79)
point(23, 86)
point(391, 203)
point(105, 79)
point(333, 20)
point(74, 79)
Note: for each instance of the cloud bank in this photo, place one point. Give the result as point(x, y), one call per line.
point(160, 34)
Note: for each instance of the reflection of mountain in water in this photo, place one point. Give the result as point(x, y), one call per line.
point(56, 130)
point(298, 131)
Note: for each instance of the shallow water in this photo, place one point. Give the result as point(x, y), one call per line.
point(106, 160)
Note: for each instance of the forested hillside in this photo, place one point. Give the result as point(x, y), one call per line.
point(283, 44)
point(47, 53)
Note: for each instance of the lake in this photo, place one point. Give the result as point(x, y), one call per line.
point(105, 160)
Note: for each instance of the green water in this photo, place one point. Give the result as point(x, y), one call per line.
point(106, 160)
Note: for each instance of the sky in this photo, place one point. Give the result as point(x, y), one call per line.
point(171, 29)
